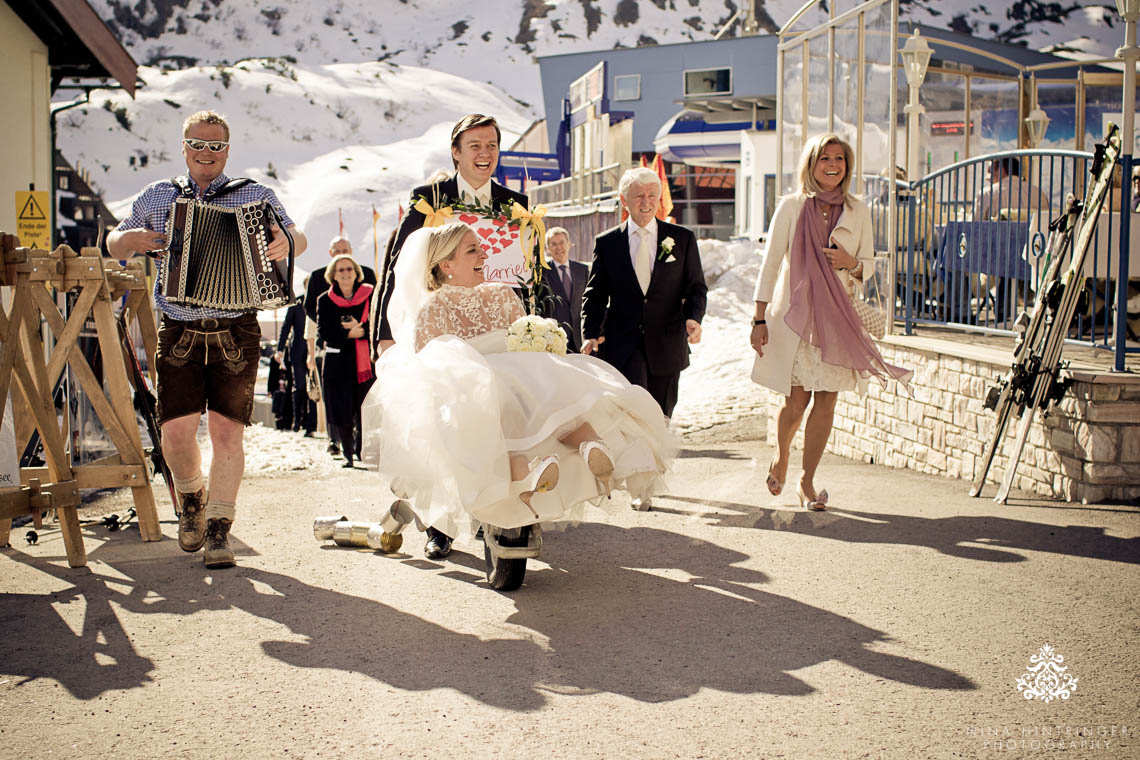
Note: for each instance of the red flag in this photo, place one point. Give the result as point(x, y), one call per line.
point(340, 222)
point(399, 213)
point(644, 162)
point(666, 206)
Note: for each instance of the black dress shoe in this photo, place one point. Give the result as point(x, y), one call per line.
point(438, 544)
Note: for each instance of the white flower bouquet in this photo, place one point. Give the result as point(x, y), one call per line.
point(533, 333)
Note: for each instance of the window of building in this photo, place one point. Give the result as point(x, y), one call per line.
point(627, 87)
point(708, 82)
point(64, 181)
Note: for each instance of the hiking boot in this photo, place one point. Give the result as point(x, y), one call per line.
point(192, 521)
point(218, 553)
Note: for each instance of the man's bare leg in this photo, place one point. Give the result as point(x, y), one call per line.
point(180, 443)
point(226, 470)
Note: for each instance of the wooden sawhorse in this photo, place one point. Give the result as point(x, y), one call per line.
point(23, 358)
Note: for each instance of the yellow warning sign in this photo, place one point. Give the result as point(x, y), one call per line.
point(33, 225)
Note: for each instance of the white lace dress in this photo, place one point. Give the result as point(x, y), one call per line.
point(812, 373)
point(445, 419)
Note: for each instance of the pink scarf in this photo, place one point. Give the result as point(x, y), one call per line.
point(363, 362)
point(820, 310)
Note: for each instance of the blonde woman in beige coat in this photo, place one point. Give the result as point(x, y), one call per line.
point(809, 343)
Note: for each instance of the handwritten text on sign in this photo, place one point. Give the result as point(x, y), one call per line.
point(500, 241)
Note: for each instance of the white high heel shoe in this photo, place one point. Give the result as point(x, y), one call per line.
point(600, 463)
point(543, 477)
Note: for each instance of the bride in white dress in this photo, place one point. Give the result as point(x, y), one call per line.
point(471, 433)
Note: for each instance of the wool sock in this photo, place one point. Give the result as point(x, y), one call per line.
point(217, 510)
point(189, 485)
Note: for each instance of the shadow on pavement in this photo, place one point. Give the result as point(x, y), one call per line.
point(655, 616)
point(952, 536)
point(612, 624)
point(688, 453)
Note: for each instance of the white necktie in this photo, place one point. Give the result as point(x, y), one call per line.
point(641, 262)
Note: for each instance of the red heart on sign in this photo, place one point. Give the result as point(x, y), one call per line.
point(468, 218)
point(484, 233)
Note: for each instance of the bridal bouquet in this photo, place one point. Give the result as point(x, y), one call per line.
point(533, 333)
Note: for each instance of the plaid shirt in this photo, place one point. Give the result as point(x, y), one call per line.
point(151, 209)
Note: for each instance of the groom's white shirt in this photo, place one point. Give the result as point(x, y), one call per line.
point(482, 196)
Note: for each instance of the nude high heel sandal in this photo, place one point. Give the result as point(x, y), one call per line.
point(818, 504)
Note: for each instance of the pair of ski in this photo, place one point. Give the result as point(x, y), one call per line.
point(1034, 380)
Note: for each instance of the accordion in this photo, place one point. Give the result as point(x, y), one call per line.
point(216, 257)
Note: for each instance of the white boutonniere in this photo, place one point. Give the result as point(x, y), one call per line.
point(665, 252)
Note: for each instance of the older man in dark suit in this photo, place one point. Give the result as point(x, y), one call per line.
point(645, 297)
point(567, 281)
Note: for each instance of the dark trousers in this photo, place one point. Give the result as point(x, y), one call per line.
point(663, 388)
point(304, 410)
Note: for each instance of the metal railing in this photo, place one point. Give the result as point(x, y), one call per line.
point(581, 189)
point(971, 243)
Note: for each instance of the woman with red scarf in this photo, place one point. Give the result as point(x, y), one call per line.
point(810, 344)
point(342, 315)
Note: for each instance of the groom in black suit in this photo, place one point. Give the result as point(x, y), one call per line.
point(475, 155)
point(646, 294)
point(567, 281)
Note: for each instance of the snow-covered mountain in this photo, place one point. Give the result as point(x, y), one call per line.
point(346, 104)
point(496, 40)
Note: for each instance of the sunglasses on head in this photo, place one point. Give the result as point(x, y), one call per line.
point(215, 146)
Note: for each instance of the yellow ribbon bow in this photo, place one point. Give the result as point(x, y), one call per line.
point(532, 219)
point(433, 217)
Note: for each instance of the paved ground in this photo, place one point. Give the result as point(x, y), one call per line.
point(724, 624)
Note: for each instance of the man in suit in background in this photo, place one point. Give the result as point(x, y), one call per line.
point(475, 143)
point(645, 297)
point(567, 281)
point(293, 340)
point(316, 288)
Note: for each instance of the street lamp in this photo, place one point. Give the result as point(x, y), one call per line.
point(1036, 123)
point(1130, 10)
point(916, 57)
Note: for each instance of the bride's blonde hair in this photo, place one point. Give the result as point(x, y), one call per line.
point(442, 245)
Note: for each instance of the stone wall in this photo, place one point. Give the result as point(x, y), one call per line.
point(1087, 449)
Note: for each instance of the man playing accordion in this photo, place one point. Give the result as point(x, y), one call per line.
point(207, 357)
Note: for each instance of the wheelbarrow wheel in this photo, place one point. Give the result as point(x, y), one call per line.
point(505, 574)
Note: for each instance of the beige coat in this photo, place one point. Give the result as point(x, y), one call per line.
point(853, 232)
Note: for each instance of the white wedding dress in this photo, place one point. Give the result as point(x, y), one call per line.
point(444, 419)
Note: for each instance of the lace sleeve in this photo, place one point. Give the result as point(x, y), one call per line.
point(431, 322)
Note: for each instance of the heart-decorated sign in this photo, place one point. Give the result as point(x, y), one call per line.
point(500, 241)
